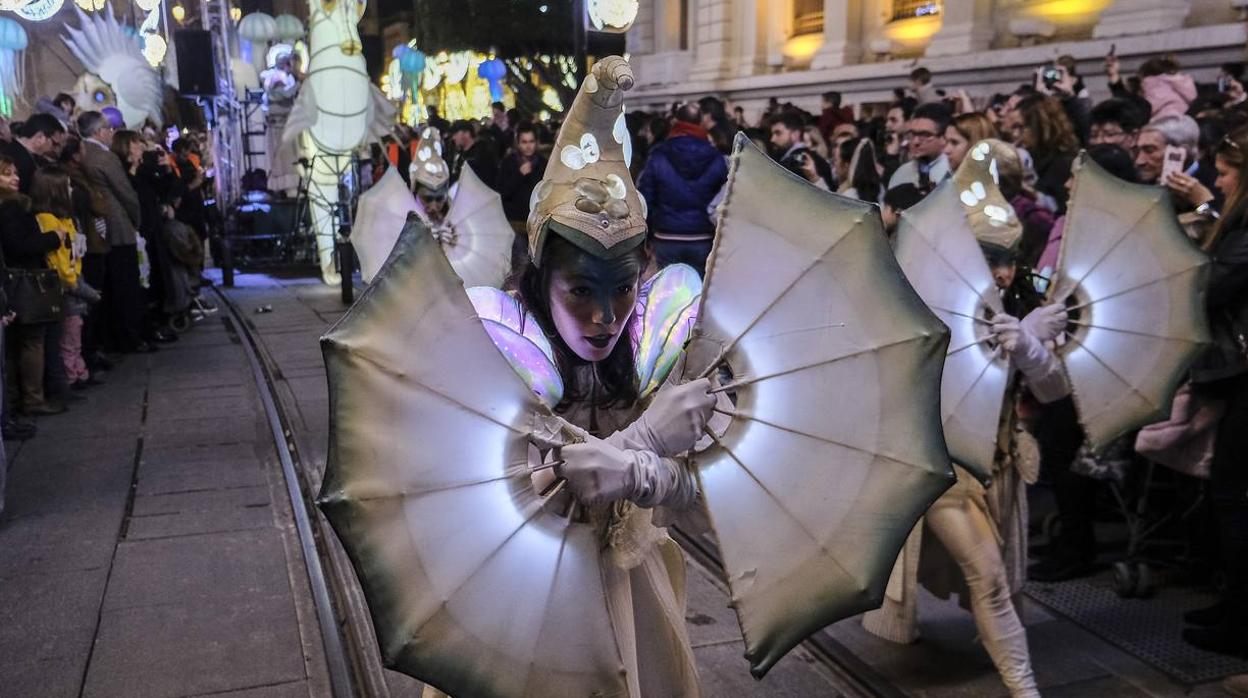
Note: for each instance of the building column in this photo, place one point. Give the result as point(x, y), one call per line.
point(749, 49)
point(712, 39)
point(1141, 17)
point(966, 27)
point(842, 35)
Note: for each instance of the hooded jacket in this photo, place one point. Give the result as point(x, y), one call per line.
point(681, 177)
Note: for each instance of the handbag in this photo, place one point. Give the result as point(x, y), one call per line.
point(35, 295)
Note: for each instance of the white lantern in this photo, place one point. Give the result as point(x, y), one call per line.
point(257, 27)
point(611, 16)
point(289, 28)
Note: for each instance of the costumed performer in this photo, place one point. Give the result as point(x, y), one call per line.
point(984, 529)
point(578, 300)
point(280, 88)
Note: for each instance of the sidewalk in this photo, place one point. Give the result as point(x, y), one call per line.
point(147, 548)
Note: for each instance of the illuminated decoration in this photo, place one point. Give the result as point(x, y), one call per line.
point(154, 49)
point(257, 28)
point(493, 71)
point(236, 13)
point(13, 42)
point(40, 10)
point(612, 16)
point(147, 5)
point(289, 28)
point(91, 5)
point(1068, 12)
point(276, 52)
point(108, 55)
point(906, 9)
point(392, 81)
point(912, 34)
point(802, 48)
point(178, 12)
point(340, 110)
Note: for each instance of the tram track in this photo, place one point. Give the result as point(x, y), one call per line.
point(353, 669)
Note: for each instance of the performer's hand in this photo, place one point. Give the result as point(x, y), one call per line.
point(1008, 331)
point(597, 472)
point(676, 417)
point(1046, 322)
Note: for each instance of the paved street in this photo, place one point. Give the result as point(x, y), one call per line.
point(148, 549)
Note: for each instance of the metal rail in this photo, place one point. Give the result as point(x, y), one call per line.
point(337, 663)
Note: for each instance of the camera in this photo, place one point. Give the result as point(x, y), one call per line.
point(1051, 75)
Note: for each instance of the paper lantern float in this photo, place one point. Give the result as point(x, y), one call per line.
point(115, 68)
point(289, 28)
point(13, 42)
point(257, 28)
point(493, 71)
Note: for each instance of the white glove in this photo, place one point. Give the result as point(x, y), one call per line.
point(599, 473)
point(673, 422)
point(1041, 367)
point(1046, 322)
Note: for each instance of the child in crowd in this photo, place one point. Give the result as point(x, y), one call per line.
point(53, 206)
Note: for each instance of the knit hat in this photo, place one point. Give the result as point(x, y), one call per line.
point(587, 195)
point(989, 214)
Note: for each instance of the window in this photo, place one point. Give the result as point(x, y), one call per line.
point(906, 9)
point(807, 17)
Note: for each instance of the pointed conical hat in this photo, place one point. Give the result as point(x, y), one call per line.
point(989, 213)
point(428, 168)
point(587, 194)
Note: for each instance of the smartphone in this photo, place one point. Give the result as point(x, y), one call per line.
point(1172, 162)
point(1052, 74)
point(1113, 49)
point(1224, 83)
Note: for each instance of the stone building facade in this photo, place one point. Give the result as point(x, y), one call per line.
point(750, 50)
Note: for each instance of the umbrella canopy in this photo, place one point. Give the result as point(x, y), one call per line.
point(479, 239)
point(942, 259)
point(1134, 285)
point(381, 215)
point(834, 448)
point(477, 583)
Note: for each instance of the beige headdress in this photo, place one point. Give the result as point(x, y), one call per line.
point(587, 195)
point(990, 215)
point(428, 168)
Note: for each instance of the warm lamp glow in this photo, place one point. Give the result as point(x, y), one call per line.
point(236, 13)
point(1066, 10)
point(914, 31)
point(801, 48)
point(179, 13)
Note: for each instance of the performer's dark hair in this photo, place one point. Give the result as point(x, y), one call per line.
point(617, 375)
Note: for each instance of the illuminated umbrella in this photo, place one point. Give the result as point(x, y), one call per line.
point(834, 449)
point(382, 214)
point(289, 27)
point(477, 583)
point(477, 237)
point(257, 27)
point(1135, 287)
point(943, 261)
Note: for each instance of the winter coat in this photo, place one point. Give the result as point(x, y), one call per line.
point(1052, 170)
point(1037, 225)
point(681, 177)
point(515, 188)
point(65, 258)
point(1169, 94)
point(1226, 302)
point(24, 244)
point(109, 177)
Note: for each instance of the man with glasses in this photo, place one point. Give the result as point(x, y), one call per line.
point(925, 136)
point(1116, 122)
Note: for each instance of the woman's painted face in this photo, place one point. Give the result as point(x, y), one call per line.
point(9, 181)
point(592, 300)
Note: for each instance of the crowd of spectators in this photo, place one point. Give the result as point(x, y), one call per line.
point(1158, 127)
point(102, 233)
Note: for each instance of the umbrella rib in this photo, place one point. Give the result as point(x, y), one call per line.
point(951, 266)
point(401, 494)
point(429, 389)
point(1132, 332)
point(971, 388)
point(964, 347)
point(780, 504)
point(824, 439)
point(1126, 234)
point(817, 364)
point(1117, 375)
point(1132, 289)
point(961, 314)
point(763, 313)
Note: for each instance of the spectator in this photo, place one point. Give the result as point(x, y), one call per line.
point(858, 172)
point(519, 173)
point(1168, 91)
point(500, 128)
point(468, 150)
point(1037, 220)
point(33, 140)
point(925, 134)
point(790, 150)
point(847, 131)
point(896, 201)
point(682, 176)
point(1050, 141)
point(91, 208)
point(1115, 160)
point(921, 85)
point(814, 140)
point(833, 115)
point(435, 120)
point(124, 296)
point(1117, 122)
point(1121, 90)
point(1222, 373)
point(963, 132)
point(715, 121)
point(25, 247)
point(1150, 147)
point(191, 190)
